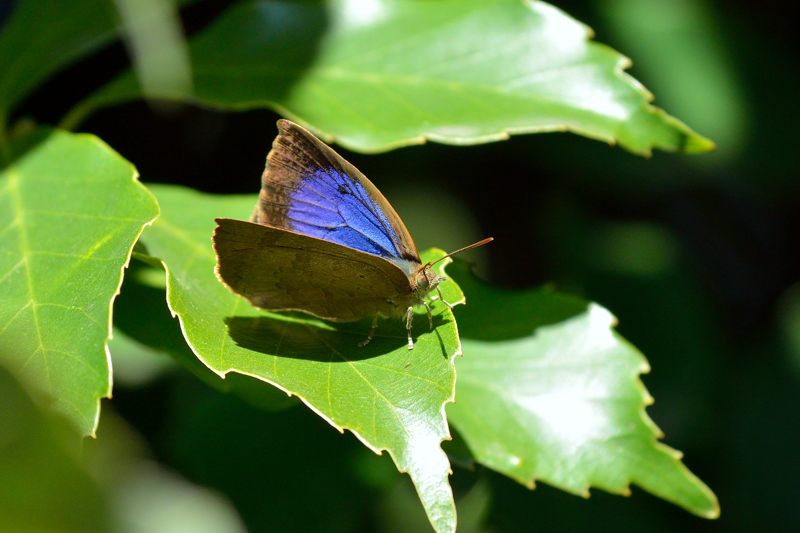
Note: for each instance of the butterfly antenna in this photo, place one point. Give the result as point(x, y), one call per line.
point(487, 240)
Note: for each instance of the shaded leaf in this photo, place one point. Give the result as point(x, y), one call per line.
point(44, 485)
point(666, 37)
point(401, 72)
point(39, 38)
point(389, 397)
point(144, 495)
point(70, 211)
point(547, 390)
point(141, 315)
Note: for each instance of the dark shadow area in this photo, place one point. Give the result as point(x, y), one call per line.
point(459, 453)
point(327, 342)
point(141, 313)
point(18, 148)
point(285, 471)
point(495, 314)
point(293, 30)
point(209, 149)
point(6, 8)
point(46, 104)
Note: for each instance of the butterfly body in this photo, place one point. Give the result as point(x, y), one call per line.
point(322, 240)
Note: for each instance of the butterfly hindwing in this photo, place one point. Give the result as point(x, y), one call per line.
point(278, 270)
point(309, 189)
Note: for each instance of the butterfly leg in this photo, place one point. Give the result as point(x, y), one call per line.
point(371, 334)
point(430, 316)
point(439, 292)
point(409, 324)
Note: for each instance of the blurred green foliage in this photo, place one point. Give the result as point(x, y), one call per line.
point(696, 256)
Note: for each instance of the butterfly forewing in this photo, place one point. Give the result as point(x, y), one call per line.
point(279, 270)
point(309, 189)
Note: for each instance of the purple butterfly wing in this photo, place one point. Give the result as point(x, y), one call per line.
point(309, 189)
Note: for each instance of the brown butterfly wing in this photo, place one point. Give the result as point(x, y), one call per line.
point(280, 270)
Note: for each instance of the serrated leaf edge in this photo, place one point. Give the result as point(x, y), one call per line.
point(307, 403)
point(656, 434)
point(700, 144)
point(135, 178)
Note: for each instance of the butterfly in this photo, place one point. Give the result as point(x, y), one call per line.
point(323, 240)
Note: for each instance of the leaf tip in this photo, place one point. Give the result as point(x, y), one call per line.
point(697, 144)
point(714, 512)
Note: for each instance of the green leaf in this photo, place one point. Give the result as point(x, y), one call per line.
point(44, 485)
point(547, 390)
point(666, 37)
point(40, 38)
point(142, 317)
point(401, 72)
point(391, 398)
point(70, 211)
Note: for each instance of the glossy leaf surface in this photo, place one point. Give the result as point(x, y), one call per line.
point(398, 72)
point(38, 38)
point(548, 391)
point(389, 397)
point(70, 211)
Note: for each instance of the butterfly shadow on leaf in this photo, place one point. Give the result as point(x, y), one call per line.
point(297, 336)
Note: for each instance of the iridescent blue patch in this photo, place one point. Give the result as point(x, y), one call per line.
point(331, 206)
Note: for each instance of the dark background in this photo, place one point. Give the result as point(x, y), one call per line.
point(696, 255)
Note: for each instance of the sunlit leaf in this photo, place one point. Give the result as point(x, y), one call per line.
point(70, 211)
point(397, 72)
point(389, 397)
point(548, 391)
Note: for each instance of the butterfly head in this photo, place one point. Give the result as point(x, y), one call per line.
point(425, 279)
